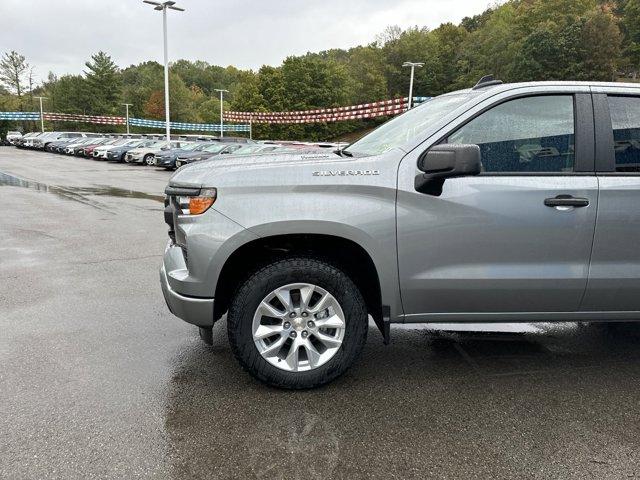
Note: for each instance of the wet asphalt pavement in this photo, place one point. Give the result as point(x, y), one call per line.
point(99, 380)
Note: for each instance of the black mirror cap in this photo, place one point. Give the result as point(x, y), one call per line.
point(446, 161)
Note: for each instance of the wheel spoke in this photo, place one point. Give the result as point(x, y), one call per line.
point(266, 331)
point(328, 340)
point(284, 295)
point(273, 349)
point(305, 296)
point(292, 357)
point(334, 321)
point(325, 302)
point(268, 310)
point(313, 355)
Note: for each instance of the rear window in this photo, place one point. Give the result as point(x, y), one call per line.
point(625, 120)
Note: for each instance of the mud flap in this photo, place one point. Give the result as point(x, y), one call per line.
point(383, 324)
point(206, 335)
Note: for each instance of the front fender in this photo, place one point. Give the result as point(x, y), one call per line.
point(363, 214)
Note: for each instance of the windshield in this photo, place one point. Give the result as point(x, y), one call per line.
point(406, 127)
point(189, 146)
point(247, 150)
point(215, 148)
point(202, 146)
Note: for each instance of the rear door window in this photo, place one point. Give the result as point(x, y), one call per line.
point(625, 120)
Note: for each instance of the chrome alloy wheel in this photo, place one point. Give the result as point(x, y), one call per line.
point(298, 327)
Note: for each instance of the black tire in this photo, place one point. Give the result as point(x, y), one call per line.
point(145, 159)
point(248, 296)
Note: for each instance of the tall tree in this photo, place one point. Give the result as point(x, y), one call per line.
point(103, 83)
point(13, 68)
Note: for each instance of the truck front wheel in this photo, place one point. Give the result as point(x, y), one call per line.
point(297, 323)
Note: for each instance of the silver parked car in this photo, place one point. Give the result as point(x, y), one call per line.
point(508, 203)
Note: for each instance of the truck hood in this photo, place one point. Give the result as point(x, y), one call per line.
point(271, 169)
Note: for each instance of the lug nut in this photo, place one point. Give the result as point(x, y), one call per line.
point(310, 324)
point(305, 334)
point(304, 314)
point(292, 314)
point(286, 325)
point(293, 334)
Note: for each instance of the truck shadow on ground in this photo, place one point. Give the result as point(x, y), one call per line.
point(431, 404)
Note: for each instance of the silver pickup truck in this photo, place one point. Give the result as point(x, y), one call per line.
point(500, 203)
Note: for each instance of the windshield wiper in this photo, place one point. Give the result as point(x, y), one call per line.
point(343, 153)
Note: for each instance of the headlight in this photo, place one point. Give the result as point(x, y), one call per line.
point(199, 204)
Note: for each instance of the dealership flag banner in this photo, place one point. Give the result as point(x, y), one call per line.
point(19, 116)
point(335, 114)
point(320, 115)
point(113, 120)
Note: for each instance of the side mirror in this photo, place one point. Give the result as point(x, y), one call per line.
point(446, 161)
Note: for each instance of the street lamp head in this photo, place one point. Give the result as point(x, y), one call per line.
point(221, 90)
point(161, 6)
point(413, 64)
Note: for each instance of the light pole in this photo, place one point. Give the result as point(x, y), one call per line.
point(222, 91)
point(163, 8)
point(127, 105)
point(41, 113)
point(413, 66)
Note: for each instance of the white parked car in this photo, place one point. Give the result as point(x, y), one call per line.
point(146, 155)
point(13, 136)
point(30, 138)
point(101, 152)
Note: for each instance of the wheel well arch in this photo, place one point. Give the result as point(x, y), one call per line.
point(345, 254)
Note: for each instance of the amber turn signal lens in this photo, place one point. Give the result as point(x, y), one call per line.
point(198, 205)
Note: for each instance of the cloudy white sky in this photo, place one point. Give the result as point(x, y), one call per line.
point(60, 35)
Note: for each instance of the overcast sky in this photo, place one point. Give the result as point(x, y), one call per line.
point(60, 35)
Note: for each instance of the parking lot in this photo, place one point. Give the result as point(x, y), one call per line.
point(99, 380)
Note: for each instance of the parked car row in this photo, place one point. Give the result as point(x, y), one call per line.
point(154, 150)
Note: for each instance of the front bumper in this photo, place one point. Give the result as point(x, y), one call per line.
point(194, 310)
point(197, 311)
point(165, 162)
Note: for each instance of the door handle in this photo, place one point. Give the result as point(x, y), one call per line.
point(566, 201)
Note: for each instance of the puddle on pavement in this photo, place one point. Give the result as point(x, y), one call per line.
point(78, 194)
